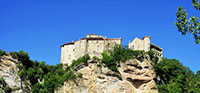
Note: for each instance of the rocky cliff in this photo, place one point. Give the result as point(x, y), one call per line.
point(9, 72)
point(134, 76)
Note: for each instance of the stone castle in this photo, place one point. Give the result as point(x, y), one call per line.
point(94, 45)
point(144, 44)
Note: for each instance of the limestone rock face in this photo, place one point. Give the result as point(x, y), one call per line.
point(135, 76)
point(9, 72)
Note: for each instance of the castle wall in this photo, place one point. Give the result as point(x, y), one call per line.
point(109, 44)
point(146, 43)
point(138, 44)
point(67, 54)
point(93, 45)
point(95, 48)
point(62, 55)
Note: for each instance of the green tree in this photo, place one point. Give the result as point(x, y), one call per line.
point(176, 78)
point(191, 25)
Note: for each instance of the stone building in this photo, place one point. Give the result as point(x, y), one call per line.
point(92, 44)
point(144, 44)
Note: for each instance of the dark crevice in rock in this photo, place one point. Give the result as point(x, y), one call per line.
point(114, 75)
point(147, 75)
point(146, 67)
point(141, 58)
point(93, 61)
point(136, 82)
point(101, 77)
point(154, 88)
point(128, 71)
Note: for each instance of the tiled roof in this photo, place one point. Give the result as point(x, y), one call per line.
point(92, 38)
point(70, 43)
point(147, 36)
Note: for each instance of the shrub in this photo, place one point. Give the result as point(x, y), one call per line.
point(80, 75)
point(2, 81)
point(2, 52)
point(77, 62)
point(109, 61)
point(7, 89)
point(152, 56)
point(37, 87)
point(99, 65)
point(96, 58)
point(14, 55)
point(119, 54)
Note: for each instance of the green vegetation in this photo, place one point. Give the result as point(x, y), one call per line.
point(76, 63)
point(2, 52)
point(46, 78)
point(119, 54)
point(176, 78)
point(4, 86)
point(191, 25)
point(96, 58)
point(153, 57)
point(80, 75)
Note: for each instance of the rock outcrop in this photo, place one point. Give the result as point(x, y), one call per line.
point(9, 72)
point(135, 76)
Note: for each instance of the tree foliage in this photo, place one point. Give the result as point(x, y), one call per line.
point(45, 78)
point(176, 78)
point(119, 54)
point(191, 25)
point(76, 63)
point(4, 86)
point(2, 52)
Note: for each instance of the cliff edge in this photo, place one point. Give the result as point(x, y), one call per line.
point(134, 76)
point(10, 81)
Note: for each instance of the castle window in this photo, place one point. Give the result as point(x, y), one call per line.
point(73, 49)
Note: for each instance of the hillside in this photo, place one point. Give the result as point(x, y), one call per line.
point(120, 70)
point(135, 75)
point(10, 81)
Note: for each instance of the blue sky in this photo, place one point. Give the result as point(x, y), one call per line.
point(39, 27)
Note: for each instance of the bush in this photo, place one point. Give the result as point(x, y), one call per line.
point(119, 54)
point(96, 58)
point(77, 62)
point(37, 88)
point(99, 65)
point(14, 55)
point(2, 81)
point(80, 75)
point(7, 89)
point(109, 61)
point(152, 56)
point(2, 52)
